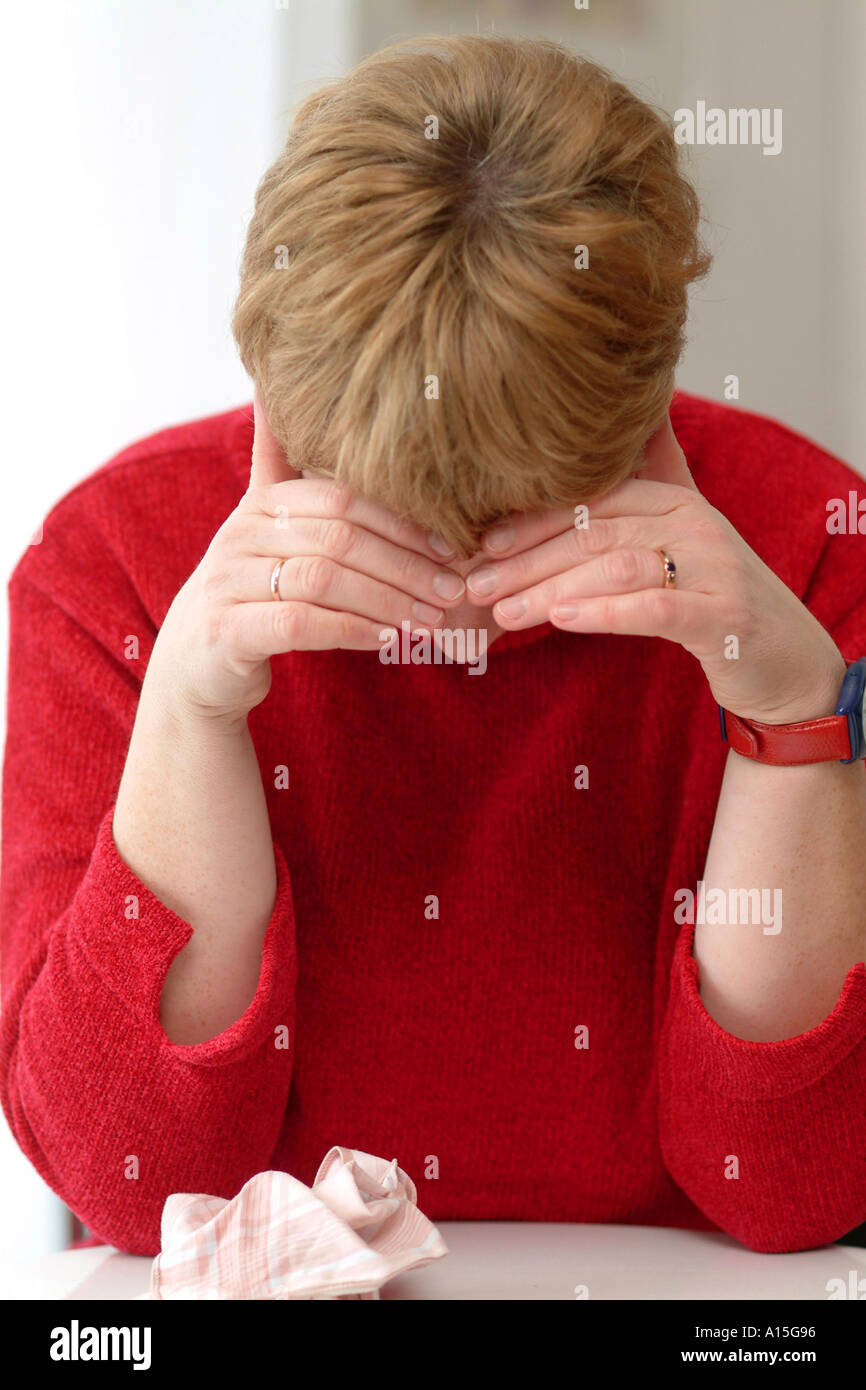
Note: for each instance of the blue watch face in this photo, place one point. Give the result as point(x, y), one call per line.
point(852, 703)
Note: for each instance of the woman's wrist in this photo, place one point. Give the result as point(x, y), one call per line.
point(817, 701)
point(164, 701)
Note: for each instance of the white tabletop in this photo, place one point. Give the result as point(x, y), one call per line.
point(515, 1260)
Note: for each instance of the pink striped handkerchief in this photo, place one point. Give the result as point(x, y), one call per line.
point(344, 1237)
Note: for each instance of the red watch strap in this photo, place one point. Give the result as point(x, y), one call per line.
point(786, 745)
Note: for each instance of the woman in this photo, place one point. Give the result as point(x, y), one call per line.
point(273, 881)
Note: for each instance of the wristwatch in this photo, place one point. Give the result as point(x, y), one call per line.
point(839, 736)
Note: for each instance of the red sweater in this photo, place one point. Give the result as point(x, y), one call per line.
point(448, 1043)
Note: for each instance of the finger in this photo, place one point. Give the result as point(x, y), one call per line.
point(616, 572)
point(559, 557)
point(521, 530)
point(260, 630)
point(318, 580)
point(323, 497)
point(667, 613)
point(358, 550)
point(633, 497)
point(664, 460)
point(269, 462)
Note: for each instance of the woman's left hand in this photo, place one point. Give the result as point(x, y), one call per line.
point(601, 571)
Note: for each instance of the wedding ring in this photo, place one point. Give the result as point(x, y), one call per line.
point(670, 569)
point(275, 580)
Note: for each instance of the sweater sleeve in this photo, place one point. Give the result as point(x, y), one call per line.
point(112, 1114)
point(766, 1138)
point(769, 1138)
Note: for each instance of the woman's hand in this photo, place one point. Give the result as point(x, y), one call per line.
point(609, 577)
point(350, 569)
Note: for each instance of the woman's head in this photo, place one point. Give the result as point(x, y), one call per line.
point(414, 305)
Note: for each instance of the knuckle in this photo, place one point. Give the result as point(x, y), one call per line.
point(406, 565)
point(604, 612)
point(336, 499)
point(257, 498)
point(594, 540)
point(337, 536)
point(347, 627)
point(657, 605)
point(621, 569)
point(291, 622)
point(708, 528)
point(314, 575)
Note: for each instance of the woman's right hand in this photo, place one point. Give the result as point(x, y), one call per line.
point(351, 568)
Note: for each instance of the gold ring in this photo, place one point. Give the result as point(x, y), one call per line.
point(670, 569)
point(275, 580)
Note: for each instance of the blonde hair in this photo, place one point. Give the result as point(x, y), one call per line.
point(411, 305)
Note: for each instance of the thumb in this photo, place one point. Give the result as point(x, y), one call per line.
point(664, 460)
point(269, 463)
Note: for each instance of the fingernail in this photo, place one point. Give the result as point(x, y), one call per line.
point(426, 613)
point(448, 585)
point(500, 538)
point(512, 607)
point(565, 613)
point(484, 580)
point(440, 546)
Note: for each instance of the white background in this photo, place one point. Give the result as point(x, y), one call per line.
point(136, 132)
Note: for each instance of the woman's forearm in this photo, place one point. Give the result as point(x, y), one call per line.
point(799, 834)
point(191, 819)
point(192, 822)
